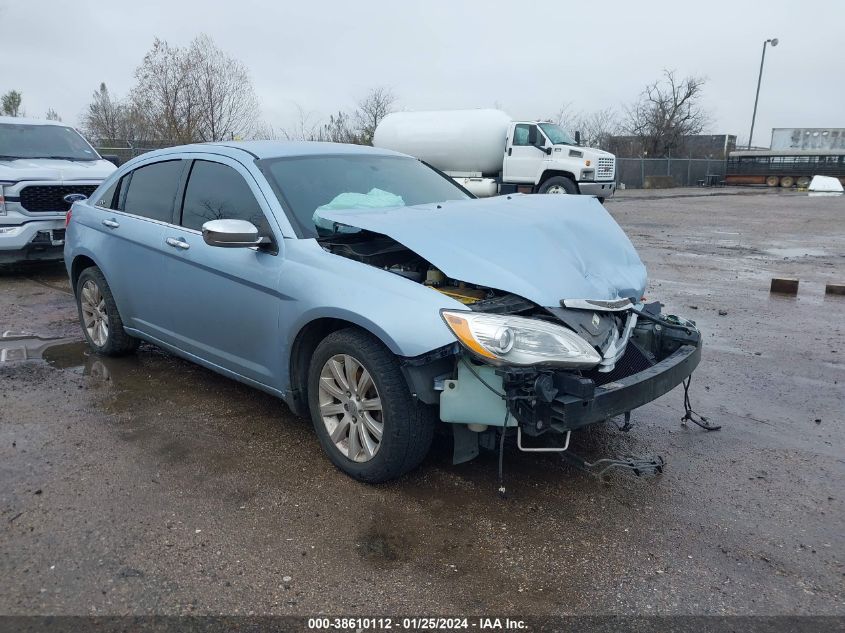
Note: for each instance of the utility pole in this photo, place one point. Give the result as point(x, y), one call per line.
point(773, 42)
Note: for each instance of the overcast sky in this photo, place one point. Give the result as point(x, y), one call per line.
point(529, 58)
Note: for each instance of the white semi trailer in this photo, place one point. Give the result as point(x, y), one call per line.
point(489, 153)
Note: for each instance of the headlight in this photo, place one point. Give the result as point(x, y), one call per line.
point(588, 174)
point(510, 340)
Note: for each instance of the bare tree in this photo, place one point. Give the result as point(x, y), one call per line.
point(163, 92)
point(666, 112)
point(11, 102)
point(197, 93)
point(52, 115)
point(596, 128)
point(102, 119)
point(228, 105)
point(564, 116)
point(307, 126)
point(371, 110)
point(339, 129)
point(356, 127)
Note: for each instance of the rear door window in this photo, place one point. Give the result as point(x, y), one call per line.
point(152, 189)
point(218, 192)
point(107, 200)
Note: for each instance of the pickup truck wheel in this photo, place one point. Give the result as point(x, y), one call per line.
point(98, 315)
point(558, 184)
point(367, 421)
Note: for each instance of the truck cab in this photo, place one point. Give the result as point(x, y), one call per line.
point(41, 162)
point(544, 156)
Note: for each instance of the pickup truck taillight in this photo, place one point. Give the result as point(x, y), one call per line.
point(67, 217)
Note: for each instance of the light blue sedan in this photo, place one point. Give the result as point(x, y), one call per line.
point(376, 295)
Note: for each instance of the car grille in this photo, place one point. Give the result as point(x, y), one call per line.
point(50, 198)
point(605, 168)
point(633, 361)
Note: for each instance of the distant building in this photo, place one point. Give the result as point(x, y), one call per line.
point(693, 146)
point(832, 138)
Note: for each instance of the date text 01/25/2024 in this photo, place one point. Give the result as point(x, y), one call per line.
point(415, 624)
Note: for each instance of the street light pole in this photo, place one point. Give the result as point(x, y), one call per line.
point(773, 42)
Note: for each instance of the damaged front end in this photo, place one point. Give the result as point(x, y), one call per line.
point(580, 362)
point(642, 354)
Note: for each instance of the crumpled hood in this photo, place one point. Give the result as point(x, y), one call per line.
point(54, 170)
point(541, 247)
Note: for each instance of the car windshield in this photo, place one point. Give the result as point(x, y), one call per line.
point(43, 141)
point(311, 184)
point(557, 135)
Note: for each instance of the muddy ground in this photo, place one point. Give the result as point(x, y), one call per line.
point(150, 485)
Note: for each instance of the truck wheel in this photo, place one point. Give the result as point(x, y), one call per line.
point(558, 184)
point(787, 181)
point(367, 421)
point(98, 315)
point(772, 181)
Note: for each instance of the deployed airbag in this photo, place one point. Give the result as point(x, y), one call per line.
point(373, 199)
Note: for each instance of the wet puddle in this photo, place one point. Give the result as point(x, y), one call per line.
point(796, 251)
point(61, 353)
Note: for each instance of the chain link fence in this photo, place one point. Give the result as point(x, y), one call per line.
point(632, 172)
point(677, 172)
point(126, 150)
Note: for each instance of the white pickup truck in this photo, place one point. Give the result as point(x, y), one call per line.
point(489, 153)
point(41, 162)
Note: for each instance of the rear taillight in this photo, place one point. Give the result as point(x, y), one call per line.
point(67, 217)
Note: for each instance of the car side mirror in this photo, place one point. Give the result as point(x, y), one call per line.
point(532, 135)
point(577, 137)
point(231, 234)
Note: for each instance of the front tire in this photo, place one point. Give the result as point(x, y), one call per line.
point(559, 185)
point(367, 421)
point(98, 315)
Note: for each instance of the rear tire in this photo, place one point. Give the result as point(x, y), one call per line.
point(368, 422)
point(559, 185)
point(803, 182)
point(787, 181)
point(98, 315)
point(772, 181)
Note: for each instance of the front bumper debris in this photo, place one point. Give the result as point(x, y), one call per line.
point(662, 353)
point(568, 412)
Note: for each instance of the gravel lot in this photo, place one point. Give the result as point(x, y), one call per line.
point(150, 485)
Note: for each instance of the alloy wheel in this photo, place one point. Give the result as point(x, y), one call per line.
point(351, 408)
point(556, 189)
point(94, 316)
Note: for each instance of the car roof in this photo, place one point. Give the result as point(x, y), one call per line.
point(20, 120)
point(275, 149)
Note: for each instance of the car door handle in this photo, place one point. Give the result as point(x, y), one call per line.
point(177, 243)
point(111, 224)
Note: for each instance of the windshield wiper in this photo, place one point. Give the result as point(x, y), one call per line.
point(74, 158)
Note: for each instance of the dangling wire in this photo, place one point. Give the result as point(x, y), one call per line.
point(502, 489)
point(691, 415)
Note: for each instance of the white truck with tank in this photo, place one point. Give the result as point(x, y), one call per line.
point(488, 153)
